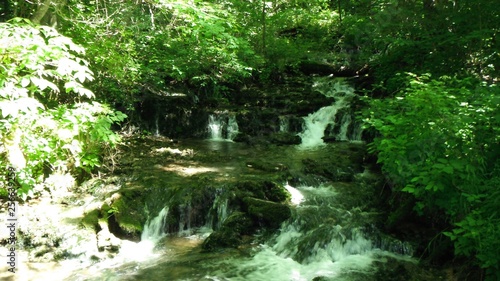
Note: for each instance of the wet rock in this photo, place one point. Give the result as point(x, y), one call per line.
point(283, 138)
point(125, 215)
point(240, 137)
point(328, 170)
point(230, 234)
point(239, 222)
point(320, 278)
point(267, 213)
point(106, 241)
point(266, 166)
point(223, 238)
point(266, 190)
point(91, 215)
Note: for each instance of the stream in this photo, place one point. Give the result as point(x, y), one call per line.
point(331, 235)
point(189, 191)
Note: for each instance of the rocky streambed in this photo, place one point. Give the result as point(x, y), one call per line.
point(215, 201)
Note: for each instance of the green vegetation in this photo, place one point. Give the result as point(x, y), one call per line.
point(429, 68)
point(436, 140)
point(49, 123)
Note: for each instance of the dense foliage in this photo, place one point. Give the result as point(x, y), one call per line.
point(438, 141)
point(49, 124)
point(431, 66)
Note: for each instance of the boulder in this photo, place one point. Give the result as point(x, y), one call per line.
point(266, 190)
point(284, 138)
point(267, 213)
point(231, 232)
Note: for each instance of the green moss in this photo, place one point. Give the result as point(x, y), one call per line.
point(265, 190)
point(230, 234)
point(90, 219)
point(239, 222)
point(266, 212)
point(129, 219)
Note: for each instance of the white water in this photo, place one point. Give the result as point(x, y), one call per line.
point(232, 128)
point(154, 229)
point(344, 126)
point(301, 253)
point(316, 123)
point(297, 197)
point(215, 127)
point(222, 127)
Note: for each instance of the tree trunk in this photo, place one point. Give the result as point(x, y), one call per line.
point(263, 27)
point(41, 11)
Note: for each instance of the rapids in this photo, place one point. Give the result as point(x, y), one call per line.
point(331, 234)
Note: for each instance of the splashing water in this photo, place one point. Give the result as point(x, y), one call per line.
point(316, 123)
point(222, 127)
point(154, 229)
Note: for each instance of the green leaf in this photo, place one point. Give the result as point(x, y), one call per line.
point(25, 81)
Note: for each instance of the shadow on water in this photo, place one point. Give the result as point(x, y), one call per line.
point(331, 234)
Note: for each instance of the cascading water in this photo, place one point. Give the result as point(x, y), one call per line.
point(222, 126)
point(215, 127)
point(154, 230)
point(357, 132)
point(316, 123)
point(157, 128)
point(218, 213)
point(344, 126)
point(232, 128)
point(326, 238)
point(331, 234)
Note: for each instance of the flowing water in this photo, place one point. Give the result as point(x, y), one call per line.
point(317, 123)
point(331, 235)
point(222, 126)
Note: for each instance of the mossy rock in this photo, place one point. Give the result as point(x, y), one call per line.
point(328, 170)
point(223, 238)
point(231, 232)
point(283, 138)
point(266, 190)
point(268, 213)
point(126, 217)
point(91, 218)
point(239, 222)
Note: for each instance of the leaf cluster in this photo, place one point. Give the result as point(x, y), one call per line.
point(48, 124)
point(436, 140)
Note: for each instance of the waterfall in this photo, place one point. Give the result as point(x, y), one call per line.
point(316, 123)
point(215, 127)
point(327, 236)
point(232, 128)
point(218, 213)
point(154, 229)
point(222, 126)
point(322, 229)
point(344, 126)
point(297, 197)
point(357, 132)
point(152, 232)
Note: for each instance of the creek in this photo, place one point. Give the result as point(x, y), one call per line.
point(190, 191)
point(332, 232)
